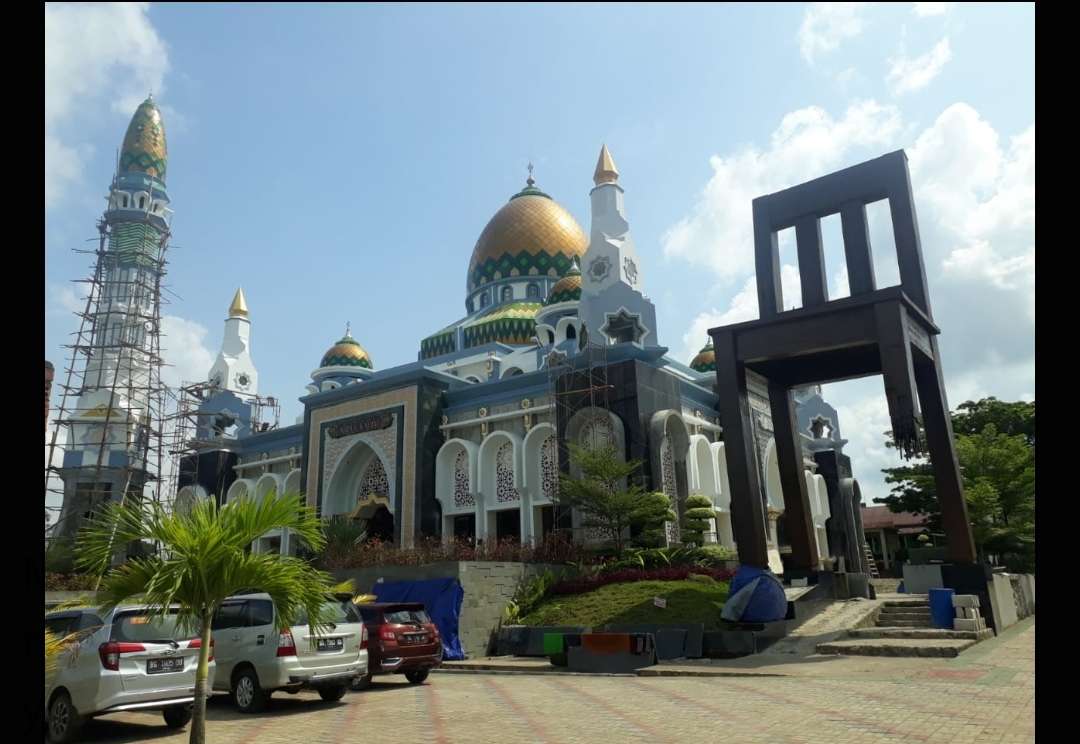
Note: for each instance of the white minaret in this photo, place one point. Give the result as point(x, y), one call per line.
point(612, 302)
point(234, 369)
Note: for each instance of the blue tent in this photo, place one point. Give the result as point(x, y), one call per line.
point(756, 596)
point(441, 597)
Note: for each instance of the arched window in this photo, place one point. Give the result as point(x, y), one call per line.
point(551, 337)
point(485, 300)
point(532, 291)
point(507, 293)
point(571, 332)
point(125, 201)
point(142, 202)
point(469, 306)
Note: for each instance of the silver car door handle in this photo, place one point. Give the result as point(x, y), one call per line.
point(259, 640)
point(236, 637)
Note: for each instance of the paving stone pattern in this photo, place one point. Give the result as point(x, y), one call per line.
point(987, 694)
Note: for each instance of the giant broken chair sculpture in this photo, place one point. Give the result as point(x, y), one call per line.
point(886, 331)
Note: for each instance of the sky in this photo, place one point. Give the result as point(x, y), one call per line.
point(339, 162)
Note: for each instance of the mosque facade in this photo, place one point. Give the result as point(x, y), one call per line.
point(467, 442)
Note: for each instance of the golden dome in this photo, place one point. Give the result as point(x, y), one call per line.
point(567, 289)
point(144, 149)
point(532, 235)
point(346, 353)
point(705, 361)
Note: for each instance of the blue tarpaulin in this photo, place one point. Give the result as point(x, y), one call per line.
point(441, 597)
point(755, 596)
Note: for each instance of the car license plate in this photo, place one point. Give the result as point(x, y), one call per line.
point(417, 638)
point(160, 666)
point(329, 644)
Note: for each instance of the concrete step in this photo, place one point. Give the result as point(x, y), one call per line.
point(911, 647)
point(904, 623)
point(901, 632)
point(903, 615)
point(913, 601)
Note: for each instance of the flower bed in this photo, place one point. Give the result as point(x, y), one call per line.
point(431, 550)
point(670, 573)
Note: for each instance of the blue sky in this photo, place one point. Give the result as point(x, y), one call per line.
point(339, 161)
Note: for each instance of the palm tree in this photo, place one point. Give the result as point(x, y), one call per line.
point(204, 558)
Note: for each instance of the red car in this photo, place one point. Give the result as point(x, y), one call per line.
point(402, 640)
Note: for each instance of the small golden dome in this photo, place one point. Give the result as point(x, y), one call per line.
point(144, 149)
point(705, 361)
point(532, 235)
point(567, 289)
point(347, 353)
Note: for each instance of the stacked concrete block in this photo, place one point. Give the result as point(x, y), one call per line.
point(967, 613)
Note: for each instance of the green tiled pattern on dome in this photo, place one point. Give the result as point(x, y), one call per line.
point(705, 361)
point(144, 149)
point(135, 242)
point(513, 323)
point(524, 264)
point(346, 353)
point(437, 345)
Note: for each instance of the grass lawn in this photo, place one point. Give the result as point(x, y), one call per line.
point(689, 601)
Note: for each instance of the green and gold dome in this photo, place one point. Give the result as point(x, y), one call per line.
point(532, 235)
point(346, 353)
point(144, 149)
point(705, 361)
point(511, 323)
point(567, 289)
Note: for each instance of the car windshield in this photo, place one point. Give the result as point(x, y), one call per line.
point(336, 612)
point(134, 625)
point(407, 617)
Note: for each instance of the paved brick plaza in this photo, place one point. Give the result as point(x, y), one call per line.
point(985, 695)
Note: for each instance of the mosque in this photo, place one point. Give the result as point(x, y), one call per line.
point(468, 440)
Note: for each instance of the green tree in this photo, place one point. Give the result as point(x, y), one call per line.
point(608, 497)
point(699, 510)
point(995, 447)
point(204, 558)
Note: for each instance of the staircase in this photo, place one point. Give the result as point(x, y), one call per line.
point(903, 629)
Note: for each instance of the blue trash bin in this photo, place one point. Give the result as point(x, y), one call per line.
point(941, 608)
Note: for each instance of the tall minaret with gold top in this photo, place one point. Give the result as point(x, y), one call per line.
point(234, 368)
point(612, 303)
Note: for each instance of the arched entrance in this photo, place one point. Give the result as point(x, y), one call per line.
point(361, 488)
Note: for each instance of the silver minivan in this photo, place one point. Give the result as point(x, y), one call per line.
point(254, 659)
point(117, 661)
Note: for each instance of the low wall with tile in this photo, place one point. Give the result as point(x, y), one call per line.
point(488, 586)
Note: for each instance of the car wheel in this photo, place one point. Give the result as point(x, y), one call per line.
point(64, 721)
point(417, 676)
point(247, 694)
point(361, 683)
point(177, 716)
point(333, 694)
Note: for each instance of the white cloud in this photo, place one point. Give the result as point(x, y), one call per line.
point(92, 53)
point(975, 197)
point(183, 347)
point(909, 75)
point(718, 233)
point(826, 25)
point(744, 306)
point(930, 9)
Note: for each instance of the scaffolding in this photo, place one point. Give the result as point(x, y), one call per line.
point(105, 441)
point(578, 382)
point(192, 430)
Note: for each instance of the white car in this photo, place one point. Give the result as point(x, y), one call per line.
point(254, 659)
point(116, 661)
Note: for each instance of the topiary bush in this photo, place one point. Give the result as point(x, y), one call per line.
point(699, 510)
